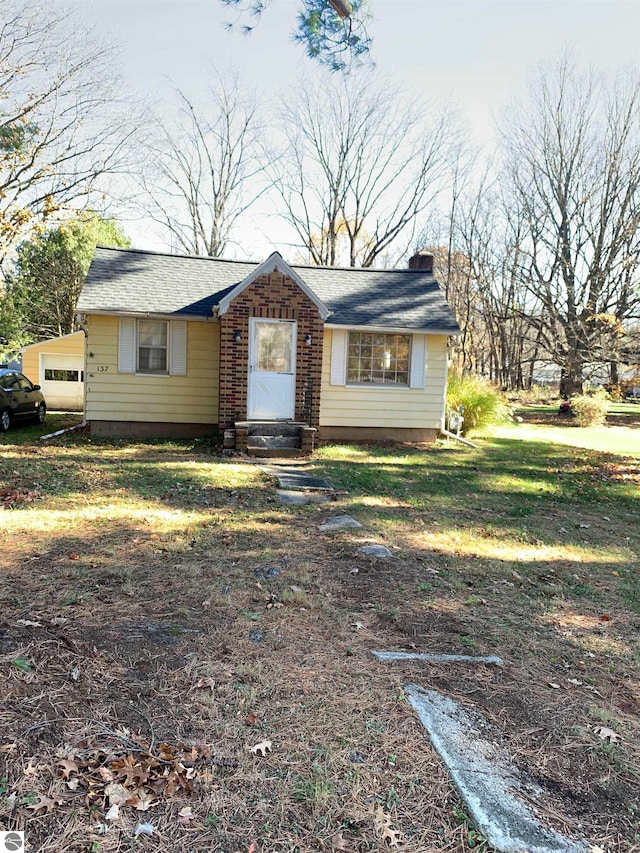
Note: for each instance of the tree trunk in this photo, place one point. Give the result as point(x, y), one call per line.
point(571, 381)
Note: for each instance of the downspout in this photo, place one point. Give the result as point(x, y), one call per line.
point(82, 325)
point(459, 438)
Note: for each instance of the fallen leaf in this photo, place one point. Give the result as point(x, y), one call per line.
point(74, 556)
point(45, 803)
point(116, 793)
point(607, 734)
point(251, 719)
point(105, 774)
point(605, 617)
point(384, 827)
point(185, 815)
point(262, 748)
point(338, 842)
point(113, 813)
point(93, 797)
point(391, 836)
point(554, 685)
point(142, 800)
point(207, 682)
point(72, 784)
point(144, 829)
point(68, 767)
point(22, 664)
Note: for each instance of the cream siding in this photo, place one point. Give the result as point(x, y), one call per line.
point(66, 345)
point(114, 396)
point(364, 406)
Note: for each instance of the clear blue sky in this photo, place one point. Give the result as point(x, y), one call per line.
point(476, 53)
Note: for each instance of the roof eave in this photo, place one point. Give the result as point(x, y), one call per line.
point(159, 315)
point(381, 327)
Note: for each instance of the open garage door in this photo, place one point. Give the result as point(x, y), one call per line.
point(62, 380)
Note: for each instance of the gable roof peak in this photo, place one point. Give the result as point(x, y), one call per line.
point(275, 262)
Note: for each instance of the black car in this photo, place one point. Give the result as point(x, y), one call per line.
point(20, 400)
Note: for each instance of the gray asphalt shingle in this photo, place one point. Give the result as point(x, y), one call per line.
point(134, 281)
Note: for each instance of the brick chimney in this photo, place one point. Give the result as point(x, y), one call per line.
point(422, 260)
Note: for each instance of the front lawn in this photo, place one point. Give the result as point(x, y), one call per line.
point(171, 631)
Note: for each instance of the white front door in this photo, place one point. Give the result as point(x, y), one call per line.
point(272, 369)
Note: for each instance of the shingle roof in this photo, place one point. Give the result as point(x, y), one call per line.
point(134, 281)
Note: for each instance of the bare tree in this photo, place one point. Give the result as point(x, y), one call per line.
point(573, 181)
point(199, 164)
point(360, 163)
point(61, 127)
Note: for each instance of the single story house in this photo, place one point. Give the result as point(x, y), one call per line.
point(179, 345)
point(57, 365)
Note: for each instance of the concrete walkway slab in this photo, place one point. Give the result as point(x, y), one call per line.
point(487, 781)
point(296, 479)
point(292, 498)
point(491, 660)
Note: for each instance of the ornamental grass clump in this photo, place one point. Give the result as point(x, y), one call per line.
point(590, 411)
point(482, 403)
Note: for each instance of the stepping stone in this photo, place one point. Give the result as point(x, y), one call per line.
point(492, 660)
point(339, 522)
point(374, 551)
point(486, 779)
point(290, 498)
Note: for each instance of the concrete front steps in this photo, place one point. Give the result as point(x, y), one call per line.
point(274, 439)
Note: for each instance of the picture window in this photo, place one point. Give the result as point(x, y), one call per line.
point(378, 359)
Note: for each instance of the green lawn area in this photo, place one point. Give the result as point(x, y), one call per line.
point(163, 615)
point(618, 440)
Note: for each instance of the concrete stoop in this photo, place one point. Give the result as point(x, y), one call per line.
point(274, 439)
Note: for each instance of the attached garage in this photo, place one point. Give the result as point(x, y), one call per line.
point(57, 365)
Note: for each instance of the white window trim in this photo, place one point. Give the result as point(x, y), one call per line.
point(379, 385)
point(417, 360)
point(167, 349)
point(128, 347)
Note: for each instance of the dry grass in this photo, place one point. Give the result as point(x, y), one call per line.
point(156, 636)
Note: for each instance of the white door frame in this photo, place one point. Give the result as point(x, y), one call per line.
point(285, 383)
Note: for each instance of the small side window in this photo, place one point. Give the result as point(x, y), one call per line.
point(152, 346)
point(10, 382)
